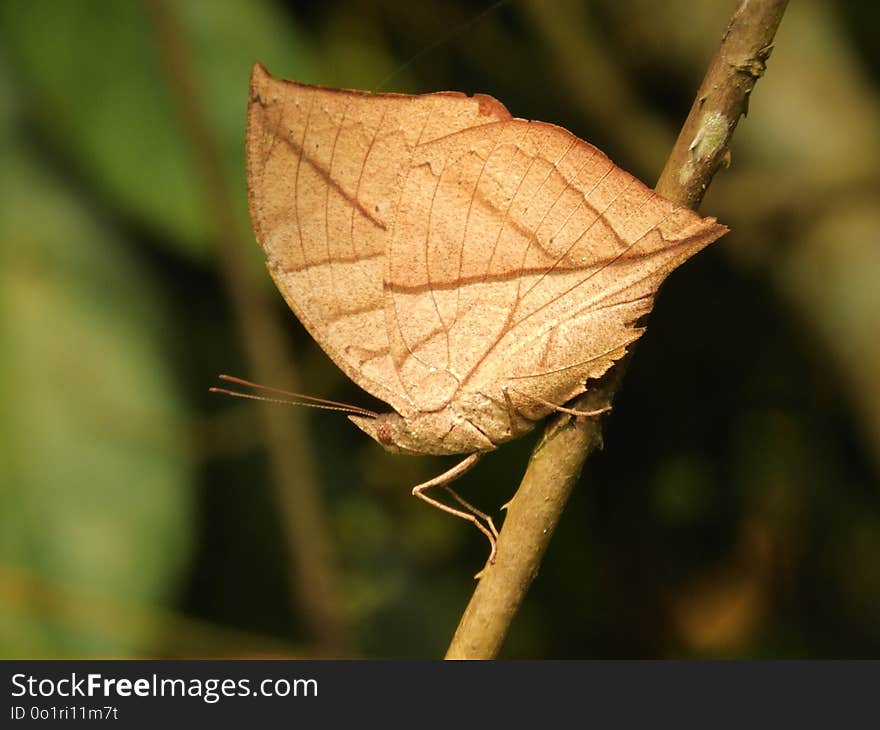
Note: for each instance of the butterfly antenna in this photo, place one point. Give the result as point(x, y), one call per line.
point(293, 399)
point(456, 31)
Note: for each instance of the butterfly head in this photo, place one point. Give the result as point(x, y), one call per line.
point(390, 430)
point(431, 432)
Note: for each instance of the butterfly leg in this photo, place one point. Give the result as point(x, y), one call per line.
point(470, 508)
point(558, 409)
point(472, 514)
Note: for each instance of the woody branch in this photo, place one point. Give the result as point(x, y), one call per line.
point(558, 459)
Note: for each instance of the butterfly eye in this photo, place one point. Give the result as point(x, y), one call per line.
point(383, 433)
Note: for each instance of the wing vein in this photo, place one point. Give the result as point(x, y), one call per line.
point(599, 215)
point(513, 198)
point(594, 273)
point(296, 196)
point(467, 225)
point(534, 234)
point(427, 250)
point(357, 191)
point(390, 291)
point(327, 199)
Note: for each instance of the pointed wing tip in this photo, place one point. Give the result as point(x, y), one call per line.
point(260, 77)
point(717, 229)
point(259, 72)
point(710, 222)
point(690, 231)
point(709, 231)
point(708, 227)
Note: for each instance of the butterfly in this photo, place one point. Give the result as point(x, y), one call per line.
point(471, 269)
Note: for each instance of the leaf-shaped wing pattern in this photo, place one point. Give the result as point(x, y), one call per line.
point(437, 248)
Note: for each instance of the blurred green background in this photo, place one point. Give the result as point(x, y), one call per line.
point(735, 509)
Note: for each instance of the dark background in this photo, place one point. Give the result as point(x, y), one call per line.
point(735, 509)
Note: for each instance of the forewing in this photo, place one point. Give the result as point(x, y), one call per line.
point(326, 169)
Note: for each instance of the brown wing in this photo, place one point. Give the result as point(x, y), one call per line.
point(325, 170)
point(521, 256)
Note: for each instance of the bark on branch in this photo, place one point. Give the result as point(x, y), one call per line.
point(558, 459)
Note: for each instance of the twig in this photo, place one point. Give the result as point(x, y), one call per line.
point(559, 457)
point(313, 581)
